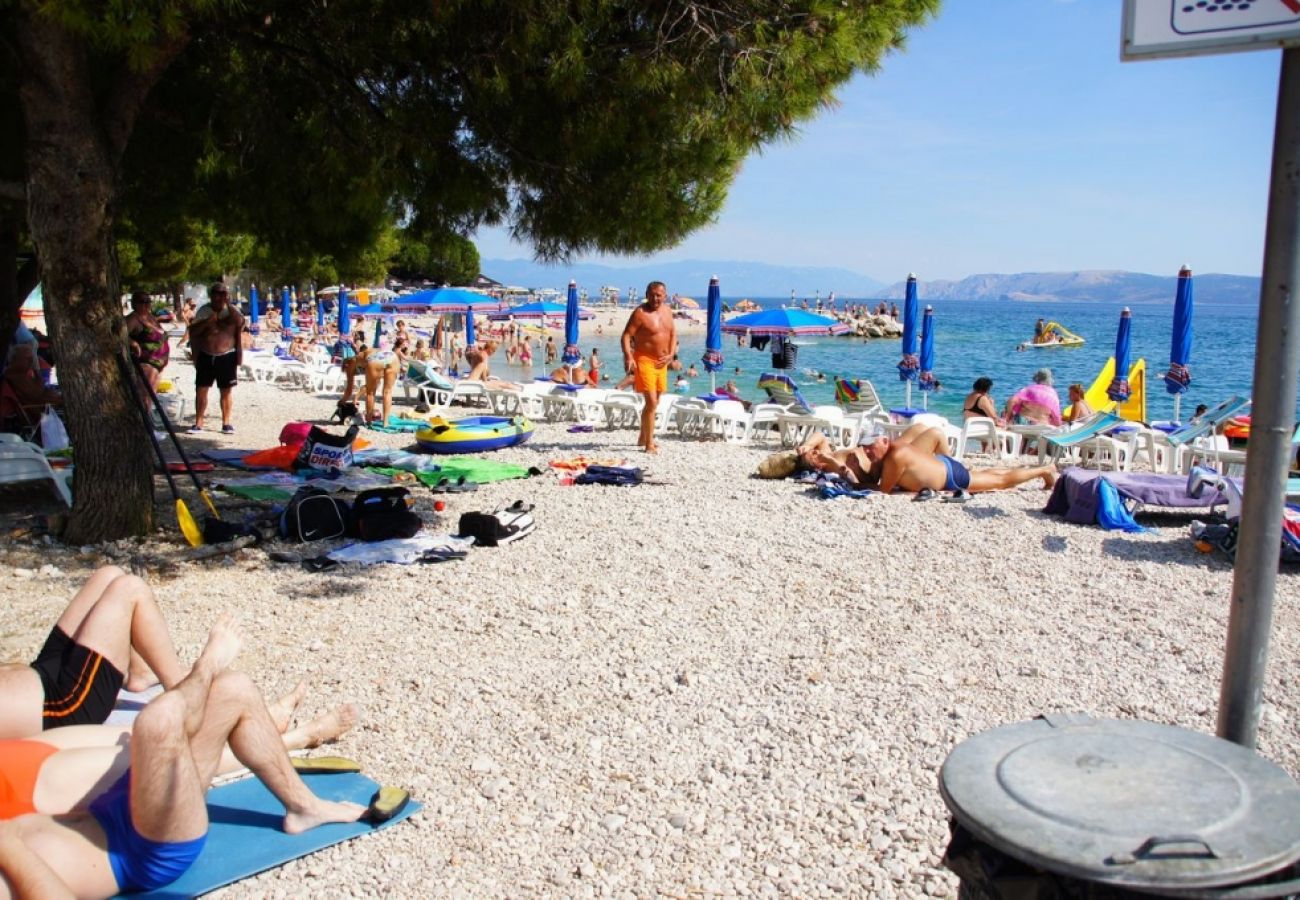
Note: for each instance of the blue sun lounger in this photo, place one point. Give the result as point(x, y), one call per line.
point(1079, 432)
point(1209, 423)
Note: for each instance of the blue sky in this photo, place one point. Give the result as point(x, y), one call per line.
point(1008, 137)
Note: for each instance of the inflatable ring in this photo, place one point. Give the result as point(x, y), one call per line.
point(474, 434)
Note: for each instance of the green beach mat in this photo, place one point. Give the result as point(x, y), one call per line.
point(258, 491)
point(244, 836)
point(481, 471)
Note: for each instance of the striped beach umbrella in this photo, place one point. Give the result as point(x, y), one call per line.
point(286, 308)
point(1179, 377)
point(572, 354)
point(254, 314)
point(927, 381)
point(910, 365)
point(1118, 390)
point(713, 359)
point(345, 324)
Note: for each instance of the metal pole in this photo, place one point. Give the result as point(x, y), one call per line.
point(1277, 363)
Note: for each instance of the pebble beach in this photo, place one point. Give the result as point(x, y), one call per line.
point(709, 685)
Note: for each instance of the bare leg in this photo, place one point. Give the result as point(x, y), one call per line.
point(1000, 479)
point(125, 615)
point(924, 438)
point(167, 790)
point(200, 405)
point(373, 374)
point(647, 436)
point(227, 404)
point(390, 379)
point(236, 714)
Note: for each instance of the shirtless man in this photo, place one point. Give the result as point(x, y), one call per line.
point(649, 344)
point(112, 633)
point(218, 351)
point(854, 465)
point(149, 826)
point(911, 468)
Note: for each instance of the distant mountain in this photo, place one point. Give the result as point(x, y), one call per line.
point(689, 277)
point(1132, 288)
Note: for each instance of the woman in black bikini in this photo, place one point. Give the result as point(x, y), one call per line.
point(979, 403)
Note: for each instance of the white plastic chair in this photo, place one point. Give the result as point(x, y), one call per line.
point(1004, 444)
point(623, 409)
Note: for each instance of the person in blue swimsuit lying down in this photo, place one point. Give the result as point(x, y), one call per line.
point(910, 468)
point(853, 465)
point(149, 826)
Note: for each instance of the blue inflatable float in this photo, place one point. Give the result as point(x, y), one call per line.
point(474, 434)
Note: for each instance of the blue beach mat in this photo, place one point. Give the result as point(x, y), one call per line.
point(244, 837)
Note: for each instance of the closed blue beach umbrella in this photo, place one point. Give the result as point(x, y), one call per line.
point(286, 308)
point(571, 354)
point(1119, 389)
point(320, 314)
point(713, 334)
point(469, 327)
point(927, 381)
point(345, 324)
point(1179, 377)
point(254, 314)
point(379, 330)
point(910, 365)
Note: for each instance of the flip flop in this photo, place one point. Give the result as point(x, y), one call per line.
point(323, 765)
point(387, 802)
point(923, 495)
point(519, 506)
point(441, 486)
point(461, 486)
point(958, 496)
point(193, 467)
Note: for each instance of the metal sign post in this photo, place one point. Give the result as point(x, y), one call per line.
point(1162, 28)
point(1277, 363)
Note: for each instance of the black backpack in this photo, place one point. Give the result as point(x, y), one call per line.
point(383, 513)
point(314, 515)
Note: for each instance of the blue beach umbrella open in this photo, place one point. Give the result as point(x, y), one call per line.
point(254, 314)
point(927, 381)
point(1179, 377)
point(345, 323)
point(445, 300)
point(538, 310)
point(783, 322)
point(910, 365)
point(286, 308)
point(1119, 389)
point(571, 354)
point(713, 334)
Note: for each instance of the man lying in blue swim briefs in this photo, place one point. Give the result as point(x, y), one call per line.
point(149, 826)
point(908, 467)
point(853, 465)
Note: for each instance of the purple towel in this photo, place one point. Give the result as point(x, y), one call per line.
point(1075, 495)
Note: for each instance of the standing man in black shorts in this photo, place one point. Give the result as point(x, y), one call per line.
point(218, 351)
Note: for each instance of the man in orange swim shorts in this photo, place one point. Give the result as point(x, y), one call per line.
point(649, 344)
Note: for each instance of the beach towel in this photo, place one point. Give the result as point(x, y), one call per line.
point(1077, 493)
point(236, 459)
point(480, 471)
point(244, 836)
point(400, 550)
point(615, 475)
point(829, 490)
point(262, 492)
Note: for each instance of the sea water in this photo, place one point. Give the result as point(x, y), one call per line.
point(972, 339)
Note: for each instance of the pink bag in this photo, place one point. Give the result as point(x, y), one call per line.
point(295, 432)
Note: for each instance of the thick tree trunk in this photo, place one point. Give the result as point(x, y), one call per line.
point(71, 176)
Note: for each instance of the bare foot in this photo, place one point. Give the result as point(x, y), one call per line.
point(139, 676)
point(323, 729)
point(224, 641)
point(652, 449)
point(321, 812)
point(1049, 479)
point(282, 710)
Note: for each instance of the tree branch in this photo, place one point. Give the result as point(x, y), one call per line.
point(127, 96)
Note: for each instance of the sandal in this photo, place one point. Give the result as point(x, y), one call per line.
point(923, 495)
point(958, 496)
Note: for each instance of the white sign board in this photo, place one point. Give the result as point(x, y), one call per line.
point(1156, 28)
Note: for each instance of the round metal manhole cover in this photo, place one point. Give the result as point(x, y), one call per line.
point(1125, 802)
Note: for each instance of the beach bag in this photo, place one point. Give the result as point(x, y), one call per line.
point(295, 433)
point(53, 435)
point(381, 514)
point(314, 515)
point(496, 528)
point(325, 451)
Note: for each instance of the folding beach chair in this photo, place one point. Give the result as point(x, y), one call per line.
point(781, 389)
point(1076, 434)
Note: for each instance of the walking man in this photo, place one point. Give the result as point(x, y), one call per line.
point(649, 344)
point(218, 351)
